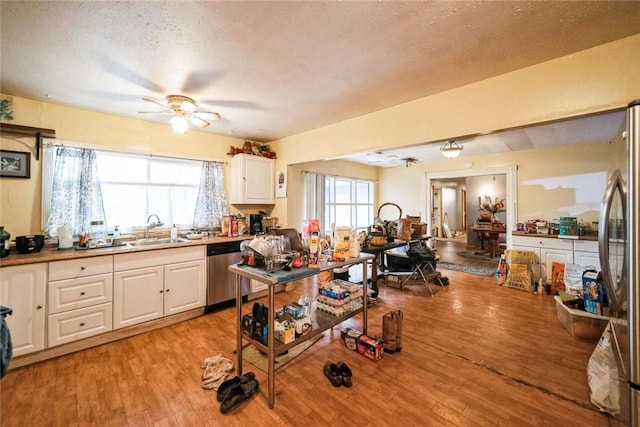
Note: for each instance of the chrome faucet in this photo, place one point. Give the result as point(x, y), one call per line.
point(152, 224)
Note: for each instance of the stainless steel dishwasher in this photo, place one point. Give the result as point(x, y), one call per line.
point(221, 284)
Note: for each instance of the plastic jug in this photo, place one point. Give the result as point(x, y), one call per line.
point(65, 236)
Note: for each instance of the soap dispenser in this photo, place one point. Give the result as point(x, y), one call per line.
point(174, 232)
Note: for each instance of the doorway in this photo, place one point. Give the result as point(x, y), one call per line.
point(481, 179)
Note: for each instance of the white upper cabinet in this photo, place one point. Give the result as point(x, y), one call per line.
point(252, 180)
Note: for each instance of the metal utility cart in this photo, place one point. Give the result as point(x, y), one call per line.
point(320, 321)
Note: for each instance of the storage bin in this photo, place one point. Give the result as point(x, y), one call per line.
point(579, 323)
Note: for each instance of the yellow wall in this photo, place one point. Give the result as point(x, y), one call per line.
point(20, 198)
point(565, 180)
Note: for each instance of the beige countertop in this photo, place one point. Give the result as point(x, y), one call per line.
point(53, 254)
point(554, 236)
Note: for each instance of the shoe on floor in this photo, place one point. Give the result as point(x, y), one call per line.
point(238, 394)
point(345, 373)
point(226, 386)
point(332, 372)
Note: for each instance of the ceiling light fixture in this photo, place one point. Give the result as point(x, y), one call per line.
point(179, 124)
point(451, 149)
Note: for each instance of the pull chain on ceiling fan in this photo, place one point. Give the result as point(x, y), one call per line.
point(184, 111)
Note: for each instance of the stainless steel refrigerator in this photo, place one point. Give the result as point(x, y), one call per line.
point(619, 234)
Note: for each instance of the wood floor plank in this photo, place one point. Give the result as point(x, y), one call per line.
point(476, 354)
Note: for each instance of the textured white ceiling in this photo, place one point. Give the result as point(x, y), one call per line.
point(273, 69)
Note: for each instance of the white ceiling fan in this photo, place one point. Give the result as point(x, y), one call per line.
point(184, 111)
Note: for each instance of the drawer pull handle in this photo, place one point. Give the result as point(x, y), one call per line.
point(168, 290)
point(83, 268)
point(39, 307)
point(82, 293)
point(161, 291)
point(82, 324)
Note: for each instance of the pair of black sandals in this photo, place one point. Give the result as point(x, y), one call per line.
point(339, 374)
point(237, 390)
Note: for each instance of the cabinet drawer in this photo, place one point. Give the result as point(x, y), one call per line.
point(158, 257)
point(542, 242)
point(74, 268)
point(77, 324)
point(585, 245)
point(71, 294)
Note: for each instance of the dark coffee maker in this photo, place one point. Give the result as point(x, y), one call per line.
point(255, 223)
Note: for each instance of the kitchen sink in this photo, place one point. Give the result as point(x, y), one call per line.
point(151, 242)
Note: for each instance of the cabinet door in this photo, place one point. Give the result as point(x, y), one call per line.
point(549, 256)
point(252, 180)
point(138, 296)
point(23, 289)
point(587, 259)
point(184, 287)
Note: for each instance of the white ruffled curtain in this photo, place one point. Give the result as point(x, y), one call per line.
point(211, 204)
point(76, 196)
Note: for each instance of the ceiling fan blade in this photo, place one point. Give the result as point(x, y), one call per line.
point(155, 112)
point(208, 115)
point(157, 103)
point(197, 121)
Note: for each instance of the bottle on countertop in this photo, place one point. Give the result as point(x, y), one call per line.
point(174, 232)
point(97, 234)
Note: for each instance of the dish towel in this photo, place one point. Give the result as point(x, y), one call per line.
point(216, 369)
point(6, 347)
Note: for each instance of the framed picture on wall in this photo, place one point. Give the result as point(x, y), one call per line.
point(15, 164)
point(281, 184)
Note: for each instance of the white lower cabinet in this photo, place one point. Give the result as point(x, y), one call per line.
point(137, 296)
point(586, 253)
point(23, 289)
point(154, 284)
point(184, 286)
point(546, 251)
point(79, 299)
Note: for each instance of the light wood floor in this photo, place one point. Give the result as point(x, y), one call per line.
point(475, 354)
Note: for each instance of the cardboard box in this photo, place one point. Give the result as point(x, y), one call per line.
point(350, 337)
point(370, 348)
point(286, 336)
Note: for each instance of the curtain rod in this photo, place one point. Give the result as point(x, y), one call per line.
point(115, 150)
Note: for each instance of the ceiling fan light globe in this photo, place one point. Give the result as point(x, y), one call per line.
point(179, 124)
point(188, 106)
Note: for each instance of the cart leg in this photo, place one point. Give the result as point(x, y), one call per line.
point(239, 325)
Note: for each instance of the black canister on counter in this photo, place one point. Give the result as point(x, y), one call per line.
point(4, 242)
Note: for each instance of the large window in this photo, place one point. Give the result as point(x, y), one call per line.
point(81, 185)
point(340, 201)
point(134, 187)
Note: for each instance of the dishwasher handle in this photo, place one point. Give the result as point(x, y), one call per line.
point(214, 249)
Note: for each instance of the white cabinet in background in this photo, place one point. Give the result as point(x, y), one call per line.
point(585, 253)
point(546, 250)
point(153, 284)
point(23, 289)
point(79, 299)
point(252, 180)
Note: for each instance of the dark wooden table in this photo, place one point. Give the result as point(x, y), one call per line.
point(378, 260)
point(491, 238)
